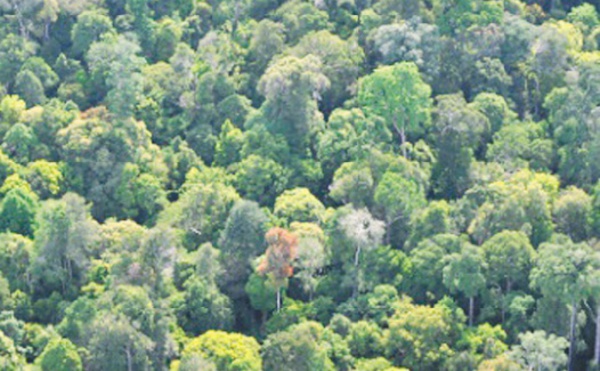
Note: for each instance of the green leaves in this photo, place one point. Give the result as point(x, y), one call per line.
point(398, 94)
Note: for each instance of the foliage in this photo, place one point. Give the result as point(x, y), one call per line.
point(290, 184)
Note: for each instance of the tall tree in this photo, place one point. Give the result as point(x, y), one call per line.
point(565, 270)
point(398, 94)
point(365, 233)
point(464, 273)
point(62, 245)
point(277, 262)
point(293, 82)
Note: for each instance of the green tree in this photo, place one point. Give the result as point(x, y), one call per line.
point(459, 132)
point(15, 258)
point(564, 270)
point(427, 258)
point(539, 351)
point(229, 145)
point(571, 212)
point(242, 241)
point(422, 336)
point(300, 348)
point(89, 28)
point(398, 94)
point(202, 307)
point(509, 257)
point(341, 60)
point(365, 340)
point(260, 179)
point(399, 198)
point(17, 211)
point(228, 351)
point(293, 82)
point(63, 239)
point(30, 88)
point(9, 358)
point(60, 354)
point(431, 220)
point(300, 18)
point(115, 62)
point(464, 273)
point(115, 344)
point(201, 211)
point(299, 205)
point(14, 51)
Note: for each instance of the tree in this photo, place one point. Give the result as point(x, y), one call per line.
point(409, 41)
point(300, 348)
point(88, 29)
point(539, 351)
point(45, 177)
point(572, 213)
point(42, 71)
point(300, 18)
point(459, 132)
point(267, 41)
point(60, 354)
point(422, 336)
point(429, 221)
point(202, 307)
point(228, 351)
point(277, 262)
point(115, 62)
point(509, 257)
point(564, 270)
point(14, 51)
point(398, 94)
point(201, 211)
point(260, 179)
point(63, 239)
point(353, 183)
point(30, 88)
point(341, 63)
point(365, 233)
point(17, 211)
point(464, 273)
point(400, 198)
point(299, 205)
point(242, 241)
point(293, 82)
point(365, 340)
point(312, 255)
point(115, 344)
point(229, 145)
point(9, 357)
point(15, 258)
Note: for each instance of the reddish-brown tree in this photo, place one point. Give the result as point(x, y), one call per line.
point(277, 263)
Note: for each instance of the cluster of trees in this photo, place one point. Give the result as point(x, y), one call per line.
point(299, 185)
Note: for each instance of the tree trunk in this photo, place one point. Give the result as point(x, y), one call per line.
point(129, 362)
point(403, 141)
point(278, 299)
point(402, 133)
point(356, 260)
point(572, 336)
point(388, 230)
point(471, 310)
point(356, 256)
point(597, 344)
point(263, 321)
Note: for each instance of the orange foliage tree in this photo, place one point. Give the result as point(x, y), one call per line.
point(277, 262)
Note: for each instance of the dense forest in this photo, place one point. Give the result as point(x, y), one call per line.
point(245, 185)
